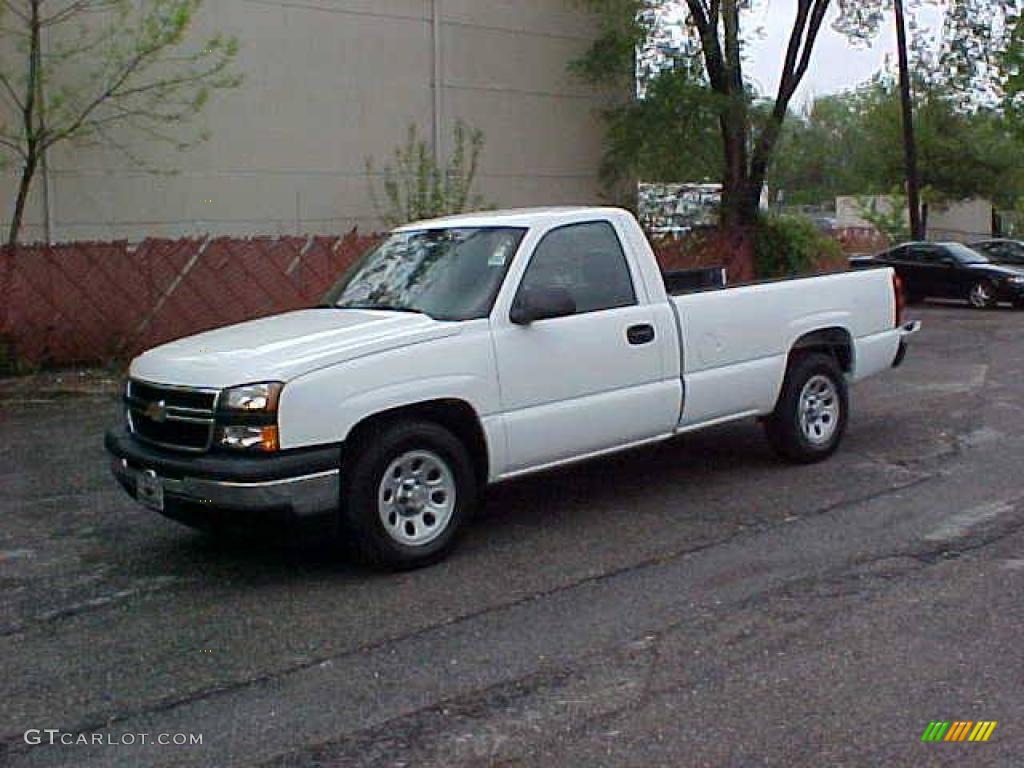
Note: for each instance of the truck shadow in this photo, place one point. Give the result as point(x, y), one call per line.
point(565, 498)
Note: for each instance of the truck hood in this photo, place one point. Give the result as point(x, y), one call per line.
point(283, 347)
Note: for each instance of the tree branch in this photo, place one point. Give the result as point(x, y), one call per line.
point(796, 39)
point(814, 28)
point(13, 146)
point(84, 115)
point(11, 92)
point(707, 28)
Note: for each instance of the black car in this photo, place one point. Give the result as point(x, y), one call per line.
point(953, 271)
point(1002, 251)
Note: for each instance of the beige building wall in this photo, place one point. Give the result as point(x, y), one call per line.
point(329, 83)
point(963, 221)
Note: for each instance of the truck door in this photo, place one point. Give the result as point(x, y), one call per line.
point(590, 380)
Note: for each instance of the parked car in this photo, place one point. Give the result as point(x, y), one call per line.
point(951, 271)
point(1002, 251)
point(474, 349)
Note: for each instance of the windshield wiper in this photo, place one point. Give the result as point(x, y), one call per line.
point(381, 308)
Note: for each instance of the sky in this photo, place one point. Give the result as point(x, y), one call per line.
point(836, 65)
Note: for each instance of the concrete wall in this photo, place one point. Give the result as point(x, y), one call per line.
point(959, 221)
point(329, 83)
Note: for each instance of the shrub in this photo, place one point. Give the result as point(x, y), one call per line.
point(790, 246)
point(417, 188)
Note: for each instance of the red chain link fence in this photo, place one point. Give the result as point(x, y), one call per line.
point(87, 303)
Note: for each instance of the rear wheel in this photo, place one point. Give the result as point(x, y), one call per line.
point(982, 295)
point(810, 417)
point(409, 489)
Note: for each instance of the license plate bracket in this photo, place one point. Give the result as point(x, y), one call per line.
point(150, 490)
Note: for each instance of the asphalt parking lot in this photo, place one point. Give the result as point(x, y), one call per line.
point(695, 604)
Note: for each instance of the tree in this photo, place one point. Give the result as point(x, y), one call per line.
point(907, 122)
point(712, 35)
point(89, 70)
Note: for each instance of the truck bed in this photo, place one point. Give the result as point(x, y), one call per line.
point(735, 341)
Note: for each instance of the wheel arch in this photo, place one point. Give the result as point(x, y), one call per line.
point(835, 341)
point(455, 415)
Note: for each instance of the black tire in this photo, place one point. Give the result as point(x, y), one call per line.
point(362, 518)
point(982, 294)
point(785, 427)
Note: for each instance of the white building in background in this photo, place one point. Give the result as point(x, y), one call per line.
point(963, 221)
point(329, 83)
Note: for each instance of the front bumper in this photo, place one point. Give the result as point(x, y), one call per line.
point(293, 484)
point(1010, 292)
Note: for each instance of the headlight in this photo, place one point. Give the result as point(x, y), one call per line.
point(252, 398)
point(1016, 279)
point(247, 417)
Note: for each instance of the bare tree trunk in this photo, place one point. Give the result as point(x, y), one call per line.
point(29, 122)
point(917, 230)
point(27, 173)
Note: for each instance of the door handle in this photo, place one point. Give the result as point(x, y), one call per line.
point(638, 335)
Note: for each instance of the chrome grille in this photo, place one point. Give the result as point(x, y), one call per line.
point(179, 418)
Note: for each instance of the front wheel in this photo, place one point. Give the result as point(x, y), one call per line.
point(409, 490)
point(810, 417)
point(982, 295)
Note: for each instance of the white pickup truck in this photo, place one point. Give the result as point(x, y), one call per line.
point(469, 350)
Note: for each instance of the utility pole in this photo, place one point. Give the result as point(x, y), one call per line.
point(909, 142)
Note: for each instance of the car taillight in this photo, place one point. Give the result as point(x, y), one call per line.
point(900, 302)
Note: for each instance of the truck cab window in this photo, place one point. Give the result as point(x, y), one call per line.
point(586, 260)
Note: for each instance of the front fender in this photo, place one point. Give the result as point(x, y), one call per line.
point(323, 406)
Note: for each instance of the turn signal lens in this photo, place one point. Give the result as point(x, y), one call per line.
point(246, 438)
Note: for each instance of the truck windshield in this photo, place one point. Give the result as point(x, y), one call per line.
point(447, 274)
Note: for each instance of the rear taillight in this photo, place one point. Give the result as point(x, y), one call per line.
point(900, 302)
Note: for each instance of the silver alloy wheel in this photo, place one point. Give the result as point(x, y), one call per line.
point(980, 296)
point(416, 498)
point(819, 410)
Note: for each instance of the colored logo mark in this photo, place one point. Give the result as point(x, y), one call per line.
point(959, 730)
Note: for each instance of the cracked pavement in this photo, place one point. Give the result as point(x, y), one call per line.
point(696, 604)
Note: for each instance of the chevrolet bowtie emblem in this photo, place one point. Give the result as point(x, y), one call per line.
point(157, 412)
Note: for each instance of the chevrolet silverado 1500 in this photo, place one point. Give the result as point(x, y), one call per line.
point(469, 350)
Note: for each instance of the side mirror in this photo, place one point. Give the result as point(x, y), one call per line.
point(542, 304)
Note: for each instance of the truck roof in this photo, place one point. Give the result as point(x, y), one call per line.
point(517, 217)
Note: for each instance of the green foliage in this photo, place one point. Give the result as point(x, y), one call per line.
point(891, 220)
point(1010, 63)
point(101, 70)
point(623, 27)
point(128, 65)
point(852, 144)
point(417, 188)
point(789, 246)
point(670, 135)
